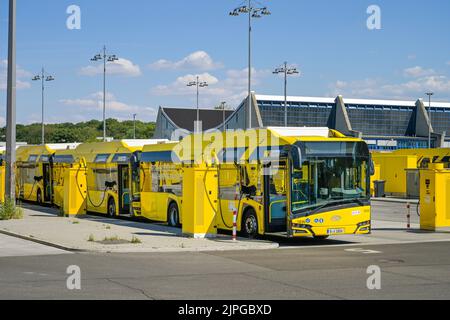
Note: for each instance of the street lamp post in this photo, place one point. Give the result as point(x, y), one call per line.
point(287, 71)
point(43, 78)
point(134, 125)
point(10, 182)
point(253, 12)
point(106, 58)
point(429, 94)
point(199, 84)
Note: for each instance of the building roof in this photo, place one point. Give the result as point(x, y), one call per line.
point(184, 118)
point(397, 103)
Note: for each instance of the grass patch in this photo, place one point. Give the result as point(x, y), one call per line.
point(75, 222)
point(9, 210)
point(111, 239)
point(136, 240)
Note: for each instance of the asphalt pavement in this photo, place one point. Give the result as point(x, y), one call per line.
point(299, 269)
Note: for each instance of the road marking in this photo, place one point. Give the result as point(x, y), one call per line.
point(363, 251)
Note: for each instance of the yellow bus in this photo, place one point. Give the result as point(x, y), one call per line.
point(301, 182)
point(112, 175)
point(34, 180)
point(160, 185)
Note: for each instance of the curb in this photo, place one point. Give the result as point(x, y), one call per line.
point(45, 243)
point(56, 246)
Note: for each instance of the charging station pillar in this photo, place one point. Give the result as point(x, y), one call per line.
point(434, 198)
point(200, 201)
point(75, 192)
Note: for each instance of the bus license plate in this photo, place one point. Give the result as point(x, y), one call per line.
point(335, 231)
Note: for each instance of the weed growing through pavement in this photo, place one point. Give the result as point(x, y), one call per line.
point(136, 240)
point(91, 238)
point(9, 210)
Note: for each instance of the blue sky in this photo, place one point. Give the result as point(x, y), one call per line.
point(163, 44)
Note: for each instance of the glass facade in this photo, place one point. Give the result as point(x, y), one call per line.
point(299, 114)
point(380, 120)
point(440, 119)
point(237, 120)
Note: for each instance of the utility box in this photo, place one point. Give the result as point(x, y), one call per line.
point(412, 184)
point(75, 192)
point(435, 197)
point(379, 188)
point(200, 201)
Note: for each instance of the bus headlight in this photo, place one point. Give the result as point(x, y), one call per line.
point(365, 223)
point(301, 226)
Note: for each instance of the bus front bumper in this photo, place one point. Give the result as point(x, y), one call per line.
point(324, 231)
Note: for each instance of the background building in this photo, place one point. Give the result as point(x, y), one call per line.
point(182, 120)
point(384, 124)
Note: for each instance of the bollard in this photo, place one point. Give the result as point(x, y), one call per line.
point(408, 216)
point(235, 225)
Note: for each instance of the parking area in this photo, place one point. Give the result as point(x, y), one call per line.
point(101, 234)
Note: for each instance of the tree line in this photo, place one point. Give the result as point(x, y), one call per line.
point(82, 132)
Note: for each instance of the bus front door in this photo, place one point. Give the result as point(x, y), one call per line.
point(124, 189)
point(275, 201)
point(47, 182)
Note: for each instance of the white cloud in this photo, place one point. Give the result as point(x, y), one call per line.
point(377, 88)
point(122, 67)
point(233, 88)
point(199, 60)
point(95, 102)
point(20, 74)
point(418, 71)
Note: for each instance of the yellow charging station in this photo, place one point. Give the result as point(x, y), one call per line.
point(2, 183)
point(75, 191)
point(435, 197)
point(200, 201)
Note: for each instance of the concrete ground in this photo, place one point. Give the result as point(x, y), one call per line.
point(101, 234)
point(408, 271)
point(413, 264)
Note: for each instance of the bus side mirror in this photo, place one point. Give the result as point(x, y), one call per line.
point(371, 167)
point(296, 156)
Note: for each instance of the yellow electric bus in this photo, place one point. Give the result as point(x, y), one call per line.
point(160, 185)
point(112, 175)
point(296, 181)
point(34, 180)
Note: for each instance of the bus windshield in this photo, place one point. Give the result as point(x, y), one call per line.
point(332, 173)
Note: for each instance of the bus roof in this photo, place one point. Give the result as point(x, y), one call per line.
point(24, 152)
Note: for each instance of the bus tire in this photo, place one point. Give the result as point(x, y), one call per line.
point(39, 197)
point(250, 224)
point(321, 237)
point(112, 212)
point(173, 215)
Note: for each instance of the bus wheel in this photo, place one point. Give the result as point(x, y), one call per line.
point(173, 216)
point(39, 197)
point(250, 224)
point(111, 208)
point(321, 237)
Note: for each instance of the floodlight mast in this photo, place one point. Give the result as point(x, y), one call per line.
point(106, 58)
point(43, 78)
point(253, 12)
point(287, 71)
point(198, 84)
